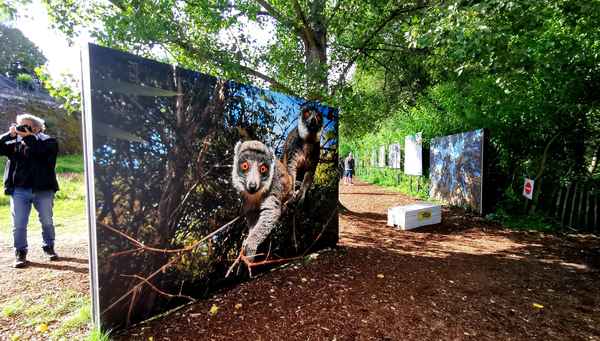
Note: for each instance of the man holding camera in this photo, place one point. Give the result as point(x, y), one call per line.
point(30, 179)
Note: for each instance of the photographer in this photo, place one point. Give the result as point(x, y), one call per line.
point(30, 179)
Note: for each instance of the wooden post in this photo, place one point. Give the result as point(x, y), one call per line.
point(573, 205)
point(564, 208)
point(557, 207)
point(546, 204)
point(596, 227)
point(587, 212)
point(579, 220)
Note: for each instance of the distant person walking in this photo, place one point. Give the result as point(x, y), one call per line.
point(348, 169)
point(30, 179)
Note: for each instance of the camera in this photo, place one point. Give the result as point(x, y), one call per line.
point(24, 128)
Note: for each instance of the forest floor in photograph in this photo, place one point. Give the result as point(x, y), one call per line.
point(464, 279)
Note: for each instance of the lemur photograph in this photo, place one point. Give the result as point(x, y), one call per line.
point(198, 183)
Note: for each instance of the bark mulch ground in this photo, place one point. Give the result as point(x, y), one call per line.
point(465, 279)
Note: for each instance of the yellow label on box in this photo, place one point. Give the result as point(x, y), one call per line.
point(424, 215)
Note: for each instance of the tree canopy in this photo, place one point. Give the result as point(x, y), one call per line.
point(18, 54)
point(312, 45)
point(528, 71)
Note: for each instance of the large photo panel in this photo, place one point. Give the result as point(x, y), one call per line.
point(413, 160)
point(395, 156)
point(195, 182)
point(456, 169)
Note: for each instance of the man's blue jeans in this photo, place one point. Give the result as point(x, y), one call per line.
point(20, 207)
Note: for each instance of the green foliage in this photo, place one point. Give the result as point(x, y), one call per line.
point(8, 10)
point(65, 123)
point(18, 54)
point(312, 49)
point(525, 70)
point(25, 82)
point(417, 187)
point(24, 78)
point(529, 222)
point(327, 175)
point(65, 90)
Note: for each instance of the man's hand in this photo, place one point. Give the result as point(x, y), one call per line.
point(24, 134)
point(12, 130)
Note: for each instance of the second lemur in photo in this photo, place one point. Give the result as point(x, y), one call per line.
point(303, 149)
point(264, 185)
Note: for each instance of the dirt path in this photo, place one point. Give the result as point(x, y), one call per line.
point(465, 279)
point(43, 291)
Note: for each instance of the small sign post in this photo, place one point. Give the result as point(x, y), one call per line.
point(528, 189)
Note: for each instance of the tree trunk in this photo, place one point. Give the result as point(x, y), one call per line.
point(538, 176)
point(314, 38)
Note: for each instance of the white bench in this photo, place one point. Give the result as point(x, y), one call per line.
point(414, 215)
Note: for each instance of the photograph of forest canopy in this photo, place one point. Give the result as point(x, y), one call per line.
point(456, 171)
point(199, 182)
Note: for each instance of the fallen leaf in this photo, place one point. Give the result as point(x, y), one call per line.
point(42, 328)
point(213, 310)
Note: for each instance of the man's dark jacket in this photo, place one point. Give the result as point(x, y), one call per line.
point(30, 163)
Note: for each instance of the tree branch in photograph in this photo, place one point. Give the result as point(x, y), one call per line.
point(141, 247)
point(252, 264)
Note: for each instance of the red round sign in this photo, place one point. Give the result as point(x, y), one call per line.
point(528, 187)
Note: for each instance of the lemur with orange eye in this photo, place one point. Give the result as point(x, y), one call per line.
point(303, 149)
point(264, 185)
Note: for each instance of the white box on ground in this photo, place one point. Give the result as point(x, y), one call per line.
point(414, 215)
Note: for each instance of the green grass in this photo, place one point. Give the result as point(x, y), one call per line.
point(98, 335)
point(69, 164)
point(69, 208)
point(80, 318)
point(13, 308)
point(395, 180)
point(65, 313)
point(522, 222)
point(64, 164)
point(69, 203)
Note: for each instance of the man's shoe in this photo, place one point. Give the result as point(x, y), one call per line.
point(21, 259)
point(49, 252)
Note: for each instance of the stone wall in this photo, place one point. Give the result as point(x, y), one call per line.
point(67, 129)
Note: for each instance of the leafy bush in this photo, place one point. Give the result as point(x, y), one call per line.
point(25, 81)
